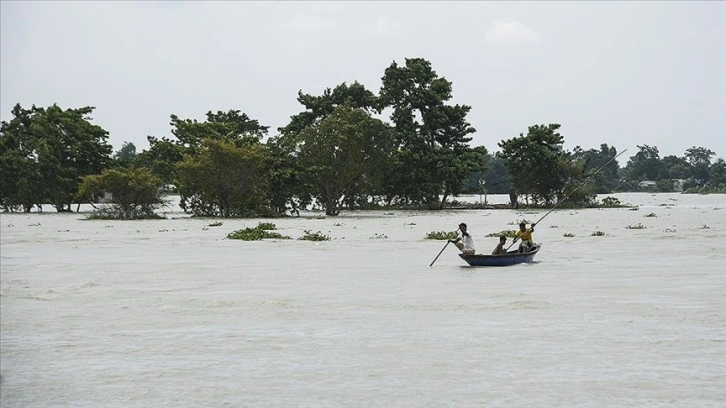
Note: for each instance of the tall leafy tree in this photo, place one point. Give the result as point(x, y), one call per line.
point(341, 155)
point(645, 164)
point(537, 162)
point(318, 107)
point(47, 151)
point(593, 160)
point(433, 157)
point(126, 156)
point(221, 179)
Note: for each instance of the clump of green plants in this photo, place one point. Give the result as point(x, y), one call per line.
point(611, 202)
point(636, 226)
point(506, 233)
point(704, 226)
point(261, 231)
point(650, 215)
point(314, 236)
point(597, 234)
point(215, 224)
point(568, 235)
point(337, 224)
point(636, 208)
point(669, 230)
point(410, 223)
point(268, 226)
point(441, 235)
point(379, 236)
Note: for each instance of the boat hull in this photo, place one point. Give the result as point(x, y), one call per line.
point(510, 258)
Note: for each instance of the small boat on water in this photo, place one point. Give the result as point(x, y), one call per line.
point(510, 258)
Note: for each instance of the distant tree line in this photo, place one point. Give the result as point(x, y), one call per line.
point(348, 148)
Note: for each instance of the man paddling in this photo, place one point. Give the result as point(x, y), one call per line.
point(464, 241)
point(526, 236)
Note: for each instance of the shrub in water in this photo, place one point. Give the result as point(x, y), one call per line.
point(314, 236)
point(441, 235)
point(506, 233)
point(568, 235)
point(254, 234)
point(637, 226)
point(597, 234)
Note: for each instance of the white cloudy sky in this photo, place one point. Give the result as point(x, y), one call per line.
point(622, 73)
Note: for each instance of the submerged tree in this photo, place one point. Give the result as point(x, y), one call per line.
point(341, 155)
point(135, 192)
point(45, 152)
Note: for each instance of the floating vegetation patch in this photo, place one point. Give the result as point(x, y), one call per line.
point(506, 233)
point(636, 208)
point(554, 226)
point(568, 235)
point(636, 226)
point(314, 236)
point(669, 230)
point(261, 231)
point(379, 236)
point(410, 223)
point(650, 215)
point(337, 224)
point(597, 234)
point(215, 224)
point(704, 227)
point(441, 235)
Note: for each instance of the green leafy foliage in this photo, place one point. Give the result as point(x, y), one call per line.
point(44, 154)
point(597, 234)
point(506, 233)
point(441, 235)
point(261, 231)
point(135, 193)
point(314, 236)
point(635, 226)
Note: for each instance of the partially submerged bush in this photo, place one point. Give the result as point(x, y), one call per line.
point(257, 233)
point(637, 226)
point(441, 235)
point(650, 215)
point(597, 234)
point(568, 235)
point(506, 233)
point(314, 236)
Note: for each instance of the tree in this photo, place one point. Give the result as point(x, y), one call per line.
point(318, 107)
point(644, 165)
point(674, 167)
point(46, 152)
point(433, 158)
point(221, 179)
point(135, 192)
point(341, 154)
point(537, 162)
point(699, 155)
point(126, 156)
point(593, 160)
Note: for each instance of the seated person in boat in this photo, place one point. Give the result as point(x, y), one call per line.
point(525, 235)
point(464, 241)
point(500, 250)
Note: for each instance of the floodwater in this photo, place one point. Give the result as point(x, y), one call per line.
point(170, 313)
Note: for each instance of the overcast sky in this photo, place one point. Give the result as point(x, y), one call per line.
point(622, 73)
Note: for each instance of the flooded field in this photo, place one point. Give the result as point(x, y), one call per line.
point(171, 313)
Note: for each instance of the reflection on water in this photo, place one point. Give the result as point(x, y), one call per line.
point(170, 313)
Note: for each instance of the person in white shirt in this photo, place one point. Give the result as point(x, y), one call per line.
point(464, 241)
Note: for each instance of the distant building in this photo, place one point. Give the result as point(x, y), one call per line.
point(646, 184)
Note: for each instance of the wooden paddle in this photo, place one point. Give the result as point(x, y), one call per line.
point(440, 252)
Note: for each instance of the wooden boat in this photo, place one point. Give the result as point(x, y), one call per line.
point(510, 258)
